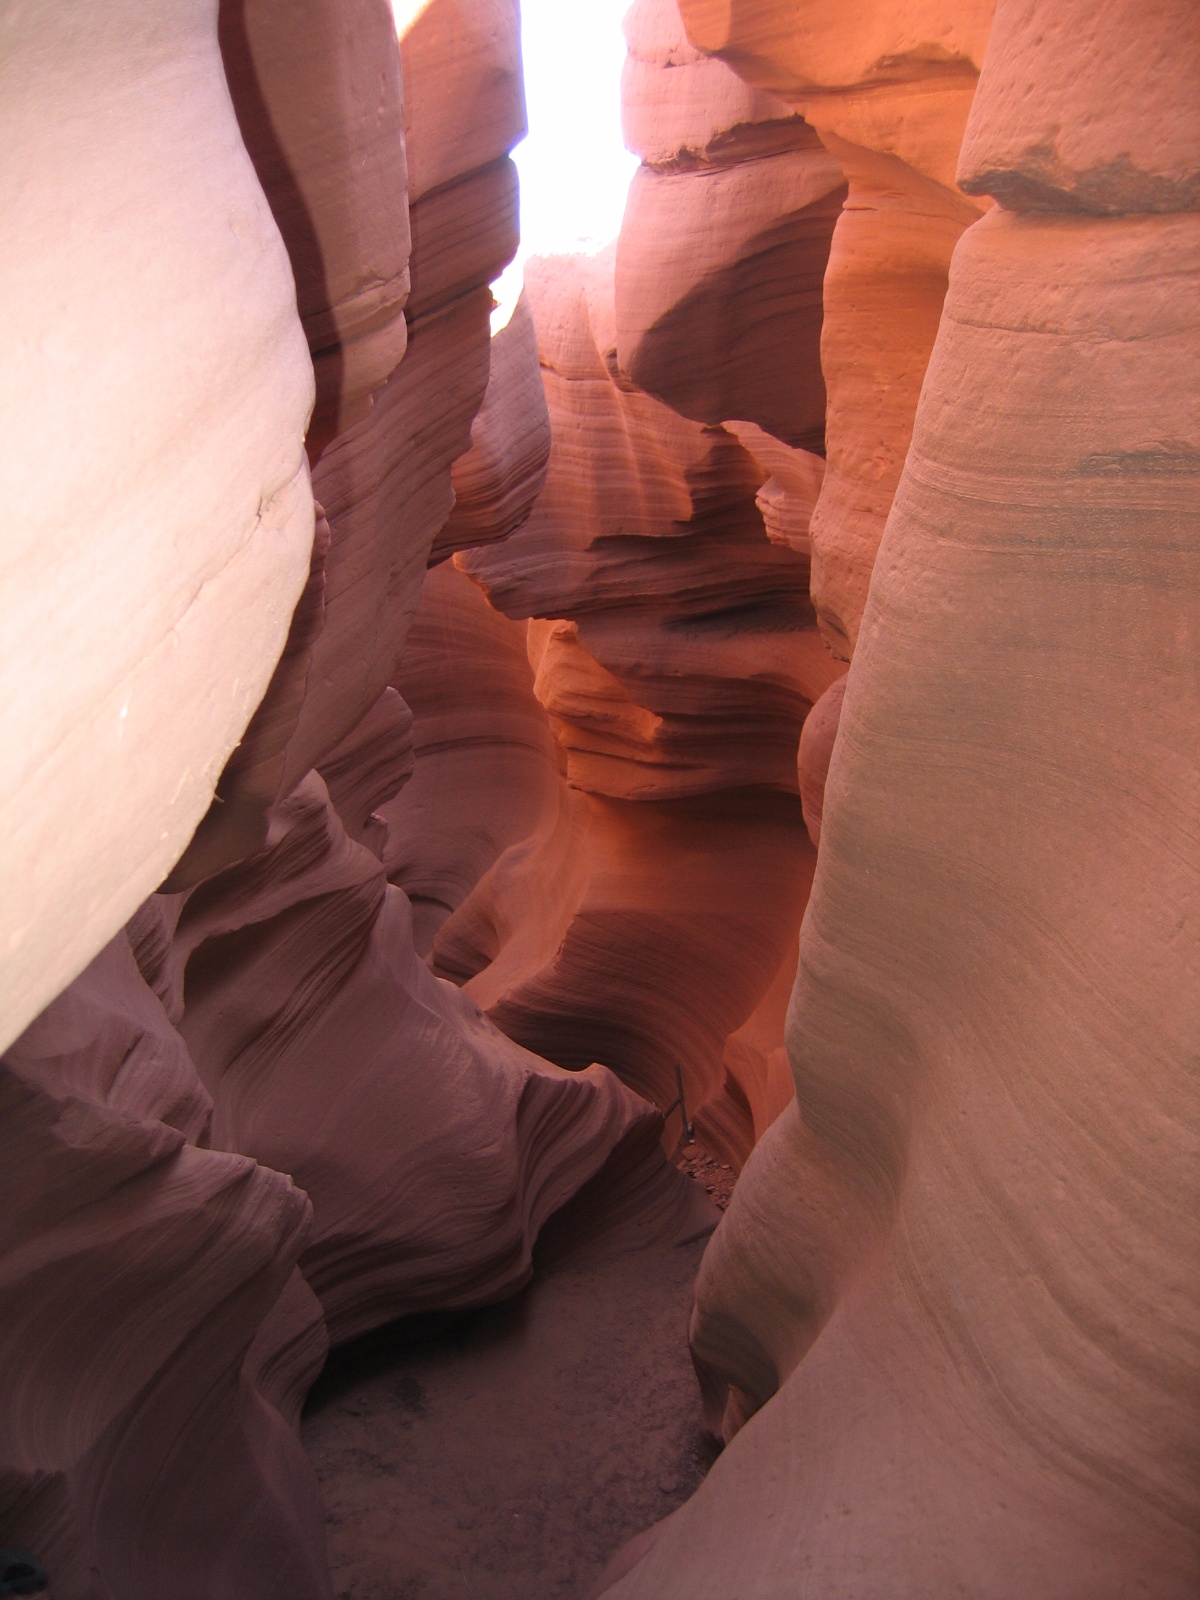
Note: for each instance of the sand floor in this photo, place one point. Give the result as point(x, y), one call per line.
point(508, 1455)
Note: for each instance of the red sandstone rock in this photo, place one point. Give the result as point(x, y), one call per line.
point(816, 748)
point(682, 108)
point(962, 1262)
point(955, 1281)
point(887, 87)
point(387, 436)
point(725, 240)
point(647, 536)
point(431, 1148)
point(677, 675)
point(643, 978)
point(385, 486)
point(791, 487)
point(719, 288)
point(577, 922)
point(1034, 140)
point(317, 93)
point(884, 289)
point(463, 84)
point(486, 776)
point(137, 1265)
point(498, 479)
point(301, 981)
point(281, 1022)
point(807, 49)
point(316, 88)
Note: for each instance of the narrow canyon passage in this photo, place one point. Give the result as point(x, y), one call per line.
point(600, 828)
point(513, 1453)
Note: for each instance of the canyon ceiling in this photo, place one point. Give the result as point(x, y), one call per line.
point(773, 655)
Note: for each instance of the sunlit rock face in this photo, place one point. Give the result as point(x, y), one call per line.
point(157, 506)
point(725, 239)
point(461, 829)
point(675, 652)
point(672, 643)
point(955, 1292)
point(257, 1121)
point(887, 86)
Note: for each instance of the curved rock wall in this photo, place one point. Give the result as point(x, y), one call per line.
point(676, 655)
point(954, 1293)
point(257, 1121)
point(948, 1326)
point(665, 566)
point(156, 492)
point(725, 239)
point(887, 87)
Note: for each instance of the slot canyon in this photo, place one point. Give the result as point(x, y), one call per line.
point(600, 936)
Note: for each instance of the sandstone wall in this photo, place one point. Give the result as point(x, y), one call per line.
point(948, 1326)
point(640, 901)
point(158, 508)
point(955, 1293)
point(887, 86)
point(257, 1121)
point(676, 655)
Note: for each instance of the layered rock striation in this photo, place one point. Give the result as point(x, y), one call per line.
point(431, 838)
point(675, 652)
point(665, 572)
point(725, 239)
point(887, 88)
point(954, 1292)
point(257, 1121)
point(158, 507)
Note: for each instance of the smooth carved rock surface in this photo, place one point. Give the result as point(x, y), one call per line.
point(500, 477)
point(949, 1323)
point(268, 1014)
point(582, 924)
point(1034, 141)
point(957, 1277)
point(431, 1148)
point(792, 480)
point(384, 444)
point(724, 242)
point(138, 1265)
point(676, 654)
point(681, 107)
point(884, 289)
point(888, 88)
point(316, 87)
point(807, 48)
point(385, 482)
point(464, 87)
point(486, 775)
point(817, 739)
point(156, 495)
point(317, 93)
point(690, 656)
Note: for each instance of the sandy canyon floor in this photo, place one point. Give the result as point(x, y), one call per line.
point(507, 1454)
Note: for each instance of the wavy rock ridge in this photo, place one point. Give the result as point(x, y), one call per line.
point(509, 754)
point(647, 912)
point(256, 1121)
point(954, 1292)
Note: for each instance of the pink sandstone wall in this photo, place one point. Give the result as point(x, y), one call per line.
point(676, 655)
point(894, 364)
point(256, 1121)
point(950, 1316)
